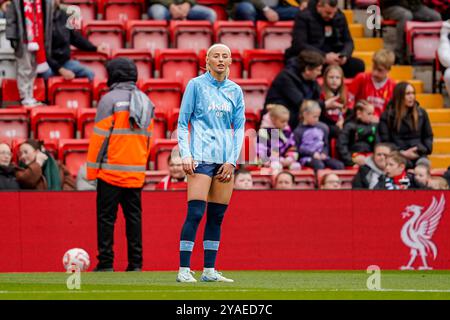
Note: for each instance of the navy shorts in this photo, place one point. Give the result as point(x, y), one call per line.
point(210, 169)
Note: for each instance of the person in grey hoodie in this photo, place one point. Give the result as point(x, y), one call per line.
point(369, 174)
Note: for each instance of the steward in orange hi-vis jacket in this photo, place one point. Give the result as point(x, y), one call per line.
point(117, 157)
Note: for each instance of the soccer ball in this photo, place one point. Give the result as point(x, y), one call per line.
point(76, 259)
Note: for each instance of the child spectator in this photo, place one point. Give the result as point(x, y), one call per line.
point(422, 174)
point(243, 179)
point(3, 7)
point(284, 181)
point(276, 143)
point(311, 137)
point(330, 181)
point(439, 183)
point(176, 180)
point(357, 141)
point(375, 87)
point(333, 86)
point(396, 177)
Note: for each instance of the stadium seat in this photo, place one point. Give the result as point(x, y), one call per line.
point(161, 149)
point(219, 6)
point(51, 145)
point(236, 67)
point(53, 122)
point(263, 64)
point(422, 40)
point(165, 94)
point(73, 153)
point(14, 123)
point(261, 180)
point(76, 93)
point(110, 33)
point(255, 91)
point(141, 57)
point(10, 93)
point(100, 88)
point(149, 35)
point(93, 60)
point(304, 179)
point(152, 178)
point(178, 65)
point(239, 35)
point(434, 101)
point(274, 35)
point(122, 10)
point(191, 34)
point(85, 121)
point(88, 8)
point(346, 176)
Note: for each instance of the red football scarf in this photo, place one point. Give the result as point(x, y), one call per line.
point(34, 23)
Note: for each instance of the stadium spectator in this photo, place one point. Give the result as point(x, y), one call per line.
point(330, 181)
point(8, 179)
point(176, 180)
point(297, 82)
point(270, 10)
point(311, 137)
point(333, 86)
point(444, 52)
point(375, 86)
point(38, 170)
point(62, 38)
point(28, 44)
point(83, 184)
point(439, 183)
point(119, 148)
point(180, 10)
point(323, 27)
point(422, 174)
point(3, 8)
point(276, 144)
point(359, 136)
point(395, 175)
point(284, 181)
point(441, 6)
point(403, 11)
point(368, 175)
point(447, 175)
point(405, 124)
point(243, 179)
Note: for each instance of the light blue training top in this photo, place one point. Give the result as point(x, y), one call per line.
point(213, 108)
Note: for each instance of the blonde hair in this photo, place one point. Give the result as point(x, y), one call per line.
point(277, 110)
point(398, 158)
point(308, 106)
point(208, 68)
point(342, 91)
point(384, 58)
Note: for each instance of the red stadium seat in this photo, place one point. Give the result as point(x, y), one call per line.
point(346, 176)
point(13, 123)
point(86, 121)
point(255, 91)
point(51, 145)
point(219, 6)
point(73, 153)
point(239, 35)
point(122, 9)
point(160, 151)
point(261, 180)
point(263, 64)
point(100, 88)
point(93, 60)
point(190, 34)
point(152, 178)
point(304, 179)
point(178, 65)
point(76, 93)
point(274, 36)
point(10, 93)
point(422, 39)
point(236, 68)
point(149, 35)
point(165, 94)
point(111, 33)
point(53, 122)
point(142, 59)
point(88, 8)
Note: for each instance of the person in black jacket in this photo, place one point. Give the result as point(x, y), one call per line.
point(403, 11)
point(405, 124)
point(296, 83)
point(323, 27)
point(7, 170)
point(63, 36)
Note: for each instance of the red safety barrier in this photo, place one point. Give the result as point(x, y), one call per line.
point(262, 230)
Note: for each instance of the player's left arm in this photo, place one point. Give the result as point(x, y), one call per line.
point(238, 122)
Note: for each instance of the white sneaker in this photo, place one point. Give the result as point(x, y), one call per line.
point(186, 276)
point(214, 276)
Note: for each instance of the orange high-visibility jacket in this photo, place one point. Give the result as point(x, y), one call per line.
point(118, 154)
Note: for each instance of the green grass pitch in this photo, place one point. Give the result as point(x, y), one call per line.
point(248, 285)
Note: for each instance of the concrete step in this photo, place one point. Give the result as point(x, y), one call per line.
point(356, 30)
point(368, 44)
point(441, 146)
point(439, 160)
point(430, 100)
point(441, 130)
point(439, 115)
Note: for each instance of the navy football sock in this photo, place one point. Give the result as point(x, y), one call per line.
point(211, 239)
point(196, 209)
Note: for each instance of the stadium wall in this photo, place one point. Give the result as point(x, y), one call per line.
point(263, 230)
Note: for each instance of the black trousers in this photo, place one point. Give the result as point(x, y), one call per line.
point(108, 199)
